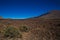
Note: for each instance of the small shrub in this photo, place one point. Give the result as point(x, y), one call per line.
point(11, 32)
point(24, 28)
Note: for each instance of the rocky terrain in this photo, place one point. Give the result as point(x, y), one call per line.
point(44, 27)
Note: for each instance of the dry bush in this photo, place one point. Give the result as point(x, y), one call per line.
point(11, 32)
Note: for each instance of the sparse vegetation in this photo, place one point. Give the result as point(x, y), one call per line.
point(30, 30)
point(11, 32)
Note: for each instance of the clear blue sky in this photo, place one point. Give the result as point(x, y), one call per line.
point(27, 8)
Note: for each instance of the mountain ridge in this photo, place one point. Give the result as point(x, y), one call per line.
point(55, 14)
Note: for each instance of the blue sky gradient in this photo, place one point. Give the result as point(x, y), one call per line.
point(27, 8)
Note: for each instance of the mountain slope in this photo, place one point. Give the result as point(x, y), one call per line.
point(51, 15)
